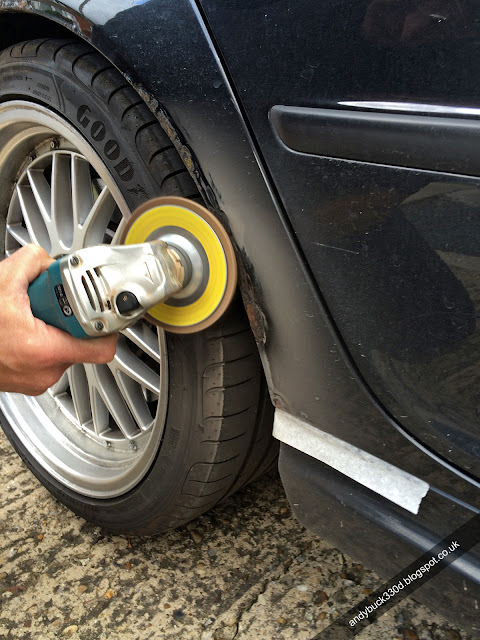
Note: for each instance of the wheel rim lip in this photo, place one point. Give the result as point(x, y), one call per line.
point(21, 112)
point(45, 430)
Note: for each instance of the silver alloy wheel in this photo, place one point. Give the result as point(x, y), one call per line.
point(98, 429)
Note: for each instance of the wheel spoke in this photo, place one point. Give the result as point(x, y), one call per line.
point(82, 191)
point(100, 415)
point(16, 232)
point(61, 385)
point(130, 365)
point(146, 339)
point(107, 387)
point(19, 233)
point(119, 231)
point(79, 390)
point(61, 204)
point(42, 193)
point(93, 228)
point(134, 397)
point(32, 215)
point(60, 392)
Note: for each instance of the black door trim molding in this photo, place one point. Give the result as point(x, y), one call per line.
point(434, 143)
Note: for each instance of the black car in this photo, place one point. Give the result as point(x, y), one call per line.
point(338, 143)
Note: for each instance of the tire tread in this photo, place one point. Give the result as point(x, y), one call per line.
point(88, 66)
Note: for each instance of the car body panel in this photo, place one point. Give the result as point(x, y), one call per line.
point(320, 303)
point(380, 534)
point(387, 220)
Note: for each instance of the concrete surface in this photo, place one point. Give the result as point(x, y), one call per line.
point(247, 570)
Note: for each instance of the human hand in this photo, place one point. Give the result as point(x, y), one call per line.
point(34, 355)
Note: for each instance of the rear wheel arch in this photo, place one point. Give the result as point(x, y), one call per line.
point(205, 481)
point(22, 26)
point(17, 26)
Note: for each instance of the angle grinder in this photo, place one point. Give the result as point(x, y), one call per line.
point(175, 265)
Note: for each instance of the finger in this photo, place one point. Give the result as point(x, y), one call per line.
point(97, 350)
point(66, 348)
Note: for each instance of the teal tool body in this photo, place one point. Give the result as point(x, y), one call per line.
point(49, 302)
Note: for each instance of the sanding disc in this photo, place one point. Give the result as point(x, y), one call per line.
point(194, 232)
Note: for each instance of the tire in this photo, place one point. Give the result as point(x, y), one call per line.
point(201, 425)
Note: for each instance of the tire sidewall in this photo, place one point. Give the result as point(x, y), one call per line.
point(59, 90)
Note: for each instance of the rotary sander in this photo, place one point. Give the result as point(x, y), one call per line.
point(174, 265)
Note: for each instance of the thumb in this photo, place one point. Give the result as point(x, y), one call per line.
point(65, 348)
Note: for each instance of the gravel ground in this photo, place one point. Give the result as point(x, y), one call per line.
point(246, 570)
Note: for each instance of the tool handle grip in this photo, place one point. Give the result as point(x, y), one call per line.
point(50, 304)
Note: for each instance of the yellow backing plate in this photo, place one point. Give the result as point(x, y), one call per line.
point(148, 220)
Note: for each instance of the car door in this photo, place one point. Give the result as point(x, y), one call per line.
point(366, 115)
